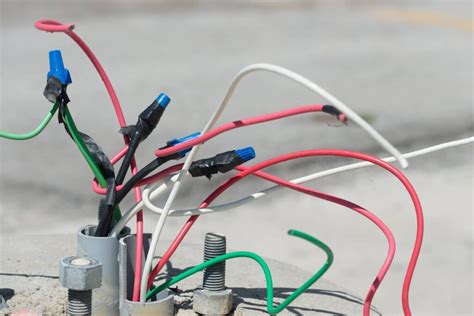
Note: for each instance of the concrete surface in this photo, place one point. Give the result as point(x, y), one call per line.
point(405, 65)
point(43, 294)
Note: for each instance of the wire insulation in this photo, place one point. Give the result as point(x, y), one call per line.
point(55, 26)
point(255, 170)
point(34, 132)
point(252, 197)
point(219, 130)
point(349, 154)
point(266, 270)
point(175, 190)
point(305, 82)
point(276, 188)
point(82, 147)
point(212, 121)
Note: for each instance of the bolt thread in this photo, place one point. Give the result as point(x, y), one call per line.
point(79, 303)
point(214, 276)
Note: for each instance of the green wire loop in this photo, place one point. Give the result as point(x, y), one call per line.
point(34, 132)
point(266, 271)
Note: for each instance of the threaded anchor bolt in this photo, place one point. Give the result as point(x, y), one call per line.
point(214, 276)
point(80, 275)
point(79, 302)
point(213, 298)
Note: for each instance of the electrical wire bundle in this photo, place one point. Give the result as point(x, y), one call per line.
point(115, 187)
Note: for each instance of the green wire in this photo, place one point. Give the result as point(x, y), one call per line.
point(86, 154)
point(75, 136)
point(34, 132)
point(266, 271)
point(82, 147)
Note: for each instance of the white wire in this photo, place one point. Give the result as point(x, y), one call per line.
point(249, 69)
point(152, 192)
point(156, 190)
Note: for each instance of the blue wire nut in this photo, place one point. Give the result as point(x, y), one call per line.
point(246, 154)
point(177, 141)
point(56, 68)
point(163, 100)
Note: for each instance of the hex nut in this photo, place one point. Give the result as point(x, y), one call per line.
point(80, 273)
point(212, 303)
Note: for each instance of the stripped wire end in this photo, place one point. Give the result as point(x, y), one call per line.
point(330, 109)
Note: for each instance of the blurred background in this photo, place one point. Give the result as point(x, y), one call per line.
point(405, 66)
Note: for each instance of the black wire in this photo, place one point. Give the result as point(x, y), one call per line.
point(147, 122)
point(106, 210)
point(132, 147)
point(142, 173)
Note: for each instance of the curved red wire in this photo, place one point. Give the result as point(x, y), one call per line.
point(380, 224)
point(55, 26)
point(323, 152)
point(217, 131)
point(240, 123)
point(148, 180)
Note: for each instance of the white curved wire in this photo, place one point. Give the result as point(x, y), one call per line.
point(275, 188)
point(249, 69)
point(152, 192)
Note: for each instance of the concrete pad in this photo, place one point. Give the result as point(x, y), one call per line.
point(37, 287)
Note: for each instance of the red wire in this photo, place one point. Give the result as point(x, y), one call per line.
point(55, 26)
point(302, 189)
point(323, 152)
point(151, 179)
point(245, 122)
point(215, 132)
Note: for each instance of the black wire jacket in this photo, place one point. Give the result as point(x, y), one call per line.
point(147, 121)
point(142, 173)
point(106, 210)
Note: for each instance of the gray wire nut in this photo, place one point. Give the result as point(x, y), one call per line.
point(80, 273)
point(212, 303)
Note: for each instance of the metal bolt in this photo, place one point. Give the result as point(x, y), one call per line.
point(213, 298)
point(80, 275)
point(214, 276)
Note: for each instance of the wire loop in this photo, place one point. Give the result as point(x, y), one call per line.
point(53, 26)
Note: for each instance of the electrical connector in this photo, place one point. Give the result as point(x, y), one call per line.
point(56, 68)
point(163, 100)
point(176, 141)
point(149, 118)
point(147, 121)
point(222, 162)
point(58, 77)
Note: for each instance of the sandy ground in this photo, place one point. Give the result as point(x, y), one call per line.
point(407, 67)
